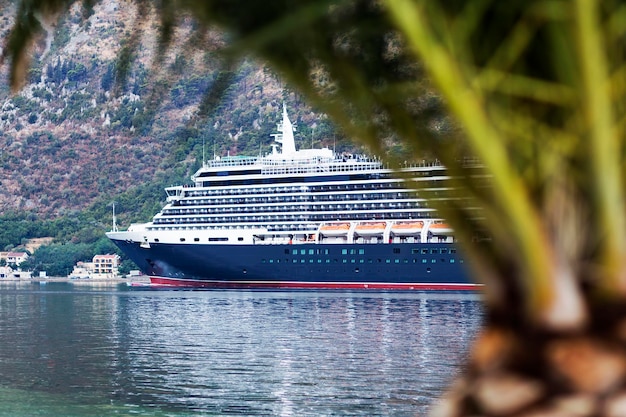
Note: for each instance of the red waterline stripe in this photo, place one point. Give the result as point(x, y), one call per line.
point(172, 282)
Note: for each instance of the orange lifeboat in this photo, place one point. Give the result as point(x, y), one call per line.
point(440, 229)
point(370, 228)
point(407, 228)
point(335, 229)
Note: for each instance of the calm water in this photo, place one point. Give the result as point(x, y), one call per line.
point(71, 350)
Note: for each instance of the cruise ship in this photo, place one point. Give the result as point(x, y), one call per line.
point(299, 219)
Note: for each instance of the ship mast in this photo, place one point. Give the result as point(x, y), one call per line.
point(114, 228)
point(285, 138)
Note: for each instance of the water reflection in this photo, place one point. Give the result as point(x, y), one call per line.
point(235, 353)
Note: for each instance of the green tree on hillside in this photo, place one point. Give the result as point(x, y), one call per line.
point(536, 91)
point(57, 260)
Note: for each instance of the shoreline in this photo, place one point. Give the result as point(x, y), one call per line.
point(139, 278)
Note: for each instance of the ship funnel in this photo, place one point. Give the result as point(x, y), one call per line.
point(285, 138)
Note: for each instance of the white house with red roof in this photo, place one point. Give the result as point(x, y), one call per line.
point(13, 258)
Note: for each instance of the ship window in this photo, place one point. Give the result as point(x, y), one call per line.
point(434, 251)
point(311, 251)
point(433, 260)
point(415, 251)
point(424, 260)
point(240, 239)
point(396, 250)
point(302, 251)
point(196, 239)
point(344, 251)
point(156, 240)
point(452, 260)
point(388, 261)
point(425, 251)
point(294, 251)
point(182, 239)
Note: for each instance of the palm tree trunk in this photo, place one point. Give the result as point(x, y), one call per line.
point(517, 368)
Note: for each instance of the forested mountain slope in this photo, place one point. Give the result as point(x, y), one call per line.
point(73, 137)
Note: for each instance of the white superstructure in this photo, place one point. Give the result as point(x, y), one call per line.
point(297, 196)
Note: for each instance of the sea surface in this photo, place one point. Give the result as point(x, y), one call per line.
point(79, 350)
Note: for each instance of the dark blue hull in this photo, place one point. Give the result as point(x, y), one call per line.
point(359, 266)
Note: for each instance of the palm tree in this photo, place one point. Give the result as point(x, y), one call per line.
point(536, 90)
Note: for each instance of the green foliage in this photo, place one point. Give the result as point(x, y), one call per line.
point(58, 259)
point(77, 238)
point(63, 71)
point(108, 78)
point(16, 226)
point(126, 266)
point(34, 74)
point(77, 73)
point(187, 91)
point(42, 93)
point(127, 112)
point(25, 105)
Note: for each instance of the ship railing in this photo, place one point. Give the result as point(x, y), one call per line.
point(315, 166)
point(357, 162)
point(340, 163)
point(230, 161)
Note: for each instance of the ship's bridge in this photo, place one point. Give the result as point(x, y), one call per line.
point(174, 193)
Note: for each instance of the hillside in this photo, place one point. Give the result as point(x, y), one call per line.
point(73, 139)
